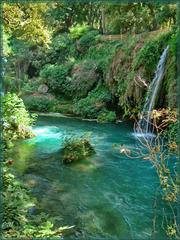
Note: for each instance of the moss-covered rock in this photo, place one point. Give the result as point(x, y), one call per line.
point(84, 77)
point(75, 149)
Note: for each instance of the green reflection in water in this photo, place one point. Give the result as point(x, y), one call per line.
point(24, 153)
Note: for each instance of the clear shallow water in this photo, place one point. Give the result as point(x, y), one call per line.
point(107, 196)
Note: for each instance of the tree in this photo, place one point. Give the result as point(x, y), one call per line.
point(139, 17)
point(64, 15)
point(26, 22)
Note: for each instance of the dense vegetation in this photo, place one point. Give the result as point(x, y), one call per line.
point(17, 222)
point(58, 59)
point(79, 67)
point(16, 120)
point(76, 149)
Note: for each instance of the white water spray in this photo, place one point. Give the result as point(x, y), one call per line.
point(152, 95)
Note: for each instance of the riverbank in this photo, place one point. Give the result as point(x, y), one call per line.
point(60, 115)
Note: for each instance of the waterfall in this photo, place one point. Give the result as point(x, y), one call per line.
point(144, 124)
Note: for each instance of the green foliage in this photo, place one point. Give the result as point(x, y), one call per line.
point(93, 103)
point(61, 49)
point(29, 87)
point(6, 47)
point(170, 79)
point(17, 65)
point(17, 223)
point(16, 120)
point(40, 103)
point(149, 54)
point(16, 204)
point(168, 122)
point(106, 116)
point(139, 17)
point(64, 107)
point(75, 149)
point(25, 21)
point(78, 31)
point(173, 41)
point(87, 40)
point(64, 15)
point(172, 131)
point(54, 76)
point(102, 54)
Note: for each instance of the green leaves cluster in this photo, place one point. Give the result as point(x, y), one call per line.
point(78, 31)
point(40, 103)
point(25, 21)
point(139, 17)
point(55, 76)
point(149, 54)
point(16, 120)
point(102, 53)
point(106, 116)
point(17, 223)
point(94, 103)
point(87, 40)
point(61, 49)
point(75, 149)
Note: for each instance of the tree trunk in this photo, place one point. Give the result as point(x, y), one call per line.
point(103, 21)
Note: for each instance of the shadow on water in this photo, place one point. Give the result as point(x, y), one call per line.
point(106, 196)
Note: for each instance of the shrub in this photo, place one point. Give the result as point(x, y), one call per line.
point(87, 40)
point(79, 30)
point(170, 78)
point(93, 103)
point(172, 131)
point(149, 54)
point(64, 106)
point(39, 103)
point(173, 41)
point(75, 149)
point(102, 53)
point(16, 120)
point(106, 116)
point(61, 49)
point(30, 86)
point(54, 76)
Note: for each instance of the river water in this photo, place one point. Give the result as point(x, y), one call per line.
point(107, 196)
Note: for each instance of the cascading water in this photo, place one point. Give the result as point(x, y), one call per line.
point(144, 124)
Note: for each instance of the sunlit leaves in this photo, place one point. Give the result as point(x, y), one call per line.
point(25, 21)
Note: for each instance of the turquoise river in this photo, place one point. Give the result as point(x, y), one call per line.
point(106, 197)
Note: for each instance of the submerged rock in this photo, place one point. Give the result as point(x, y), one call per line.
point(104, 222)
